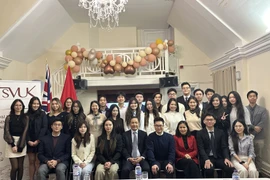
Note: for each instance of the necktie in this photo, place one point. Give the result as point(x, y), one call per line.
point(212, 139)
point(134, 145)
point(186, 99)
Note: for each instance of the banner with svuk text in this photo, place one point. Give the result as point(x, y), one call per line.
point(9, 91)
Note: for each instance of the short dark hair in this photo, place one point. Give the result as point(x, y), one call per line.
point(209, 90)
point(252, 91)
point(185, 83)
point(171, 89)
point(121, 94)
point(208, 114)
point(158, 119)
point(138, 92)
point(196, 90)
point(156, 93)
point(55, 120)
point(101, 96)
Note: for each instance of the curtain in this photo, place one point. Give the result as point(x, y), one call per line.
point(224, 81)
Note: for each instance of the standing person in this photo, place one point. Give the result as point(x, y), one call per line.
point(54, 152)
point(151, 112)
point(186, 90)
point(55, 113)
point(172, 93)
point(121, 98)
point(139, 97)
point(103, 104)
point(213, 149)
point(134, 149)
point(173, 116)
point(158, 98)
point(198, 94)
point(73, 118)
point(242, 150)
point(193, 116)
point(224, 102)
point(237, 110)
point(108, 152)
point(95, 119)
point(133, 110)
point(38, 125)
point(209, 93)
point(186, 151)
point(15, 134)
point(67, 105)
point(83, 149)
point(259, 118)
point(160, 150)
point(114, 115)
point(222, 118)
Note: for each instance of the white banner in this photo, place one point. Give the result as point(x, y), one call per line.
point(9, 91)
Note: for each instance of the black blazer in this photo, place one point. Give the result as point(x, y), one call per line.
point(61, 152)
point(182, 101)
point(127, 143)
point(143, 108)
point(41, 126)
point(203, 142)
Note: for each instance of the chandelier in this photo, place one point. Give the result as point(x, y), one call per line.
point(104, 12)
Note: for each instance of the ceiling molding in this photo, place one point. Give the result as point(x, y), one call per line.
point(4, 62)
point(247, 51)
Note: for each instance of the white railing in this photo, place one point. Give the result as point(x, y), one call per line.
point(89, 71)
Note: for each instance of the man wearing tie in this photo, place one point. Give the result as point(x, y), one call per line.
point(186, 89)
point(134, 149)
point(213, 149)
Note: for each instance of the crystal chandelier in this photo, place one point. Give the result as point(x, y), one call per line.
point(104, 12)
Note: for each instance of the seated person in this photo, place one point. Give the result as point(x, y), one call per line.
point(242, 150)
point(213, 149)
point(134, 149)
point(160, 150)
point(186, 151)
point(83, 149)
point(108, 152)
point(54, 152)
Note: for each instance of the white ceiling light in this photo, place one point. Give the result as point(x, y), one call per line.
point(104, 12)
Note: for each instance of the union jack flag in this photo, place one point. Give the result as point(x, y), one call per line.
point(47, 92)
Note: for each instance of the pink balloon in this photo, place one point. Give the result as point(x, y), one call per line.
point(80, 55)
point(151, 57)
point(68, 58)
point(153, 45)
point(76, 69)
point(109, 57)
point(143, 62)
point(74, 48)
point(118, 59)
point(136, 64)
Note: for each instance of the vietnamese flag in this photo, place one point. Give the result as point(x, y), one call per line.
point(69, 88)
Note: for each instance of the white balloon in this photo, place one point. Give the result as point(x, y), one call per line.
point(95, 61)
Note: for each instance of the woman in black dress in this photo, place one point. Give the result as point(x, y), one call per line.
point(114, 115)
point(38, 124)
point(15, 135)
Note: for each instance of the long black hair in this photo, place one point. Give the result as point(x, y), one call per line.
point(211, 108)
point(177, 131)
point(238, 104)
point(235, 136)
point(71, 115)
point(64, 105)
point(111, 109)
point(197, 109)
point(91, 111)
point(169, 102)
point(103, 136)
point(129, 112)
point(146, 115)
point(31, 111)
point(78, 137)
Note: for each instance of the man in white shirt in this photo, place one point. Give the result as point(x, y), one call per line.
point(198, 93)
point(121, 98)
point(186, 90)
point(172, 93)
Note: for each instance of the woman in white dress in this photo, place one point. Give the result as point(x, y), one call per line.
point(173, 116)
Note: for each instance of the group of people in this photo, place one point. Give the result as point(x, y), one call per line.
point(185, 134)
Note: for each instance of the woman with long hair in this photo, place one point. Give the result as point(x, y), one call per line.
point(95, 119)
point(15, 135)
point(236, 109)
point(75, 116)
point(83, 149)
point(108, 152)
point(67, 105)
point(38, 125)
point(186, 151)
point(193, 116)
point(242, 150)
point(224, 100)
point(215, 107)
point(56, 112)
point(172, 115)
point(114, 115)
point(133, 110)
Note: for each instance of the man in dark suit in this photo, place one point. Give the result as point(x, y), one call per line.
point(209, 93)
point(54, 152)
point(134, 149)
point(198, 94)
point(213, 149)
point(139, 97)
point(186, 90)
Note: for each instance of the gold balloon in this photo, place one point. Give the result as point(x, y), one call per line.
point(68, 52)
point(66, 66)
point(159, 41)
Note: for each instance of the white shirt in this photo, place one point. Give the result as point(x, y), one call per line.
point(122, 112)
point(172, 119)
point(180, 105)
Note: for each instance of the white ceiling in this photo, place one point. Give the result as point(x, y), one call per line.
point(214, 26)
